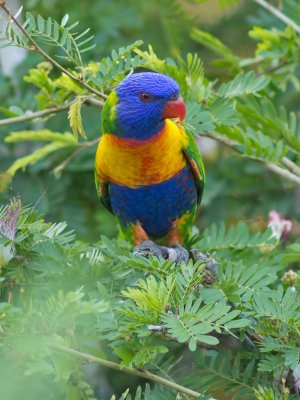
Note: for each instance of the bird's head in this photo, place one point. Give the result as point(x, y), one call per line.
point(137, 109)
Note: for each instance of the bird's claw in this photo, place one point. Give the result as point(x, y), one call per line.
point(176, 253)
point(211, 263)
point(148, 248)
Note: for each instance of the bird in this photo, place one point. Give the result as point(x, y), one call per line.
point(148, 169)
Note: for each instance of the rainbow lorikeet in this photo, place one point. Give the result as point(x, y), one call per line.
point(149, 172)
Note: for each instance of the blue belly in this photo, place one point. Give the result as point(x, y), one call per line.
point(156, 206)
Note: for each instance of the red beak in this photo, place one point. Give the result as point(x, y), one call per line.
point(175, 109)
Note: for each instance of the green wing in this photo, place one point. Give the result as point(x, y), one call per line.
point(195, 162)
point(103, 193)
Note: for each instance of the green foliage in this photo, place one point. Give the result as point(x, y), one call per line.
point(49, 32)
point(112, 69)
point(243, 84)
point(193, 323)
point(232, 332)
point(57, 141)
point(67, 293)
point(236, 376)
point(237, 237)
point(75, 117)
point(216, 45)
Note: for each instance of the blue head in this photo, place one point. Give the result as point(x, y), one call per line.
point(144, 100)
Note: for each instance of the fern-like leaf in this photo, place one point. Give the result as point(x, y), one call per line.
point(244, 84)
point(74, 116)
point(194, 322)
point(236, 237)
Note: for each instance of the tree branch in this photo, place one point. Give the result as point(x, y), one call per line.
point(278, 14)
point(284, 173)
point(289, 164)
point(38, 49)
point(292, 174)
point(33, 115)
point(48, 111)
point(132, 371)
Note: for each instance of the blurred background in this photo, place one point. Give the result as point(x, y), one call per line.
point(166, 25)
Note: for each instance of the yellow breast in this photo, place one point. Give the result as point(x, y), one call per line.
point(134, 162)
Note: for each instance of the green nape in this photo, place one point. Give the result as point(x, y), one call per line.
point(109, 111)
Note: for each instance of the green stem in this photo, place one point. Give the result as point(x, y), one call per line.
point(132, 371)
point(38, 49)
point(278, 14)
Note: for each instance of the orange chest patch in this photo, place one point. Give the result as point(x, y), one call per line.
point(135, 163)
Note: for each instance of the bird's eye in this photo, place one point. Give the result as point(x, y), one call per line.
point(174, 97)
point(146, 97)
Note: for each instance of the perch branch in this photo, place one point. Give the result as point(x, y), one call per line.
point(133, 371)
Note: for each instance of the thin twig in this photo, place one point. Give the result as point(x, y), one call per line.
point(273, 68)
point(289, 164)
point(48, 111)
point(220, 138)
point(34, 115)
point(291, 174)
point(57, 170)
point(132, 371)
point(284, 173)
point(38, 49)
point(278, 14)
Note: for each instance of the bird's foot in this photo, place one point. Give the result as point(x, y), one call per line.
point(211, 263)
point(148, 248)
point(176, 253)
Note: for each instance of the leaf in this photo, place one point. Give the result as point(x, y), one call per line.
point(198, 119)
point(272, 363)
point(241, 282)
point(227, 369)
point(235, 237)
point(291, 253)
point(18, 12)
point(224, 112)
point(243, 84)
point(34, 157)
point(51, 33)
point(74, 116)
point(43, 134)
point(193, 322)
point(112, 69)
point(64, 20)
point(216, 46)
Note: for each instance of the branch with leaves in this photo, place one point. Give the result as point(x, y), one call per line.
point(30, 25)
point(224, 113)
point(124, 297)
point(291, 173)
point(278, 14)
point(131, 371)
